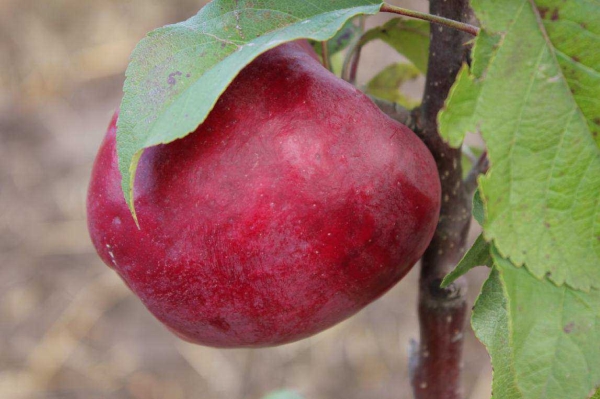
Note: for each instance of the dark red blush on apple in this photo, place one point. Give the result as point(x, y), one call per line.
point(293, 206)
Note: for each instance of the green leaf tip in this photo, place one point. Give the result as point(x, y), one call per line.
point(130, 202)
point(477, 255)
point(340, 41)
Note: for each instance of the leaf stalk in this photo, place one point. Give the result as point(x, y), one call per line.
point(470, 29)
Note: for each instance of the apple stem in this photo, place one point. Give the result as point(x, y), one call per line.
point(451, 23)
point(437, 361)
point(325, 55)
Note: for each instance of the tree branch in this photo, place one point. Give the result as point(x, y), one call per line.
point(442, 312)
point(357, 50)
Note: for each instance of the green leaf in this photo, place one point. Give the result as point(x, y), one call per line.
point(477, 255)
point(408, 37)
point(490, 322)
point(478, 208)
point(543, 339)
point(337, 64)
point(463, 98)
point(386, 84)
point(457, 118)
point(178, 72)
point(340, 41)
point(464, 94)
point(283, 394)
point(574, 30)
point(542, 192)
point(596, 395)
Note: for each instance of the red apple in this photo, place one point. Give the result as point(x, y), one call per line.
point(294, 205)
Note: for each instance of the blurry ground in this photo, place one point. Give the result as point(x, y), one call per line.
point(68, 327)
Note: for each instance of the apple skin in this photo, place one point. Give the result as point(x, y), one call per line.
point(293, 206)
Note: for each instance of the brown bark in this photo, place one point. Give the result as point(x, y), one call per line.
point(436, 363)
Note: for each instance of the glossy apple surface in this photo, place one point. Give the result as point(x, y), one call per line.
point(293, 206)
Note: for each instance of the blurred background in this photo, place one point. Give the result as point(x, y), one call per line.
point(68, 326)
